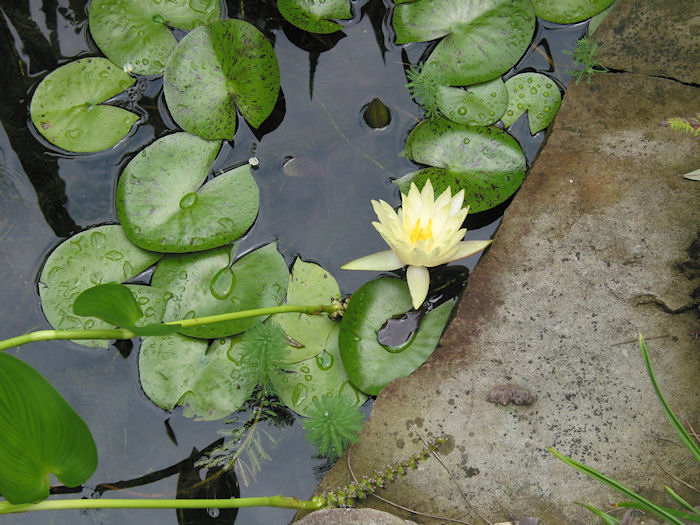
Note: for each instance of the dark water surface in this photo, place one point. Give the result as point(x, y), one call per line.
point(320, 165)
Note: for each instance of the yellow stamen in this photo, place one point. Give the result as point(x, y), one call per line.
point(421, 234)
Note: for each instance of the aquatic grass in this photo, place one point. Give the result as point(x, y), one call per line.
point(584, 54)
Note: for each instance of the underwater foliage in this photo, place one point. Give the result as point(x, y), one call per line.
point(332, 425)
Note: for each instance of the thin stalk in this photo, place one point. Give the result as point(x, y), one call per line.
point(122, 333)
point(234, 503)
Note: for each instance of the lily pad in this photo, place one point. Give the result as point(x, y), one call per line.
point(478, 105)
point(569, 11)
point(300, 385)
point(482, 38)
point(179, 370)
point(41, 435)
point(137, 35)
point(67, 106)
point(369, 365)
point(484, 161)
point(164, 207)
point(535, 93)
point(309, 284)
point(96, 256)
point(260, 280)
point(314, 17)
point(215, 69)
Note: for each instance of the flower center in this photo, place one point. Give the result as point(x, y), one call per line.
point(419, 233)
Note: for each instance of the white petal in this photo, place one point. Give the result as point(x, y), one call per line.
point(456, 202)
point(464, 249)
point(418, 278)
point(381, 261)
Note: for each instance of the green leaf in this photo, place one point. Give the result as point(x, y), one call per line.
point(369, 365)
point(314, 16)
point(112, 302)
point(332, 425)
point(261, 279)
point(482, 38)
point(164, 207)
point(301, 384)
point(137, 35)
point(179, 370)
point(535, 93)
point(97, 256)
point(67, 106)
point(309, 284)
point(41, 435)
point(217, 68)
point(607, 518)
point(484, 161)
point(262, 348)
point(682, 502)
point(569, 11)
point(478, 105)
point(695, 518)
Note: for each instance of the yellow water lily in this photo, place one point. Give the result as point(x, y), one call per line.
point(423, 232)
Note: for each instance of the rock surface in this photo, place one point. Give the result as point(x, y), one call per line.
point(600, 243)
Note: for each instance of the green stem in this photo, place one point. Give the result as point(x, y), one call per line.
point(121, 333)
point(234, 503)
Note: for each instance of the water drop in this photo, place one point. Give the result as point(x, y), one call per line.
point(466, 140)
point(299, 394)
point(189, 200)
point(324, 360)
point(305, 369)
point(533, 90)
point(114, 255)
point(201, 6)
point(158, 19)
point(462, 110)
point(227, 223)
point(183, 274)
point(98, 240)
point(308, 377)
point(222, 283)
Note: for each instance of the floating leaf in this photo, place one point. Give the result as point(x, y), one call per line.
point(301, 384)
point(261, 279)
point(137, 35)
point(163, 206)
point(314, 16)
point(67, 106)
point(369, 365)
point(569, 11)
point(217, 68)
point(96, 256)
point(179, 370)
point(309, 284)
point(482, 38)
point(535, 93)
point(41, 435)
point(484, 161)
point(478, 105)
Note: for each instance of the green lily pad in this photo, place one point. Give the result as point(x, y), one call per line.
point(260, 280)
point(535, 93)
point(67, 106)
point(301, 384)
point(484, 161)
point(163, 206)
point(482, 38)
point(369, 365)
point(478, 105)
point(217, 68)
point(178, 370)
point(569, 11)
point(314, 16)
point(309, 284)
point(137, 35)
point(96, 256)
point(41, 435)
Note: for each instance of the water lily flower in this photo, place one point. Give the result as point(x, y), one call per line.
point(424, 232)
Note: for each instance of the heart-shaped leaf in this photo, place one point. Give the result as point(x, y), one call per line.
point(96, 256)
point(309, 284)
point(112, 302)
point(137, 35)
point(369, 365)
point(261, 279)
point(179, 370)
point(67, 106)
point(535, 93)
point(314, 17)
point(164, 207)
point(301, 384)
point(217, 68)
point(569, 11)
point(482, 38)
point(484, 161)
point(478, 105)
point(41, 435)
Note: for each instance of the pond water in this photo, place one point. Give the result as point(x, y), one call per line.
point(320, 165)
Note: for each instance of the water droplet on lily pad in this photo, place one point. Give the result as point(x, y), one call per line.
point(189, 200)
point(462, 110)
point(98, 240)
point(222, 283)
point(299, 394)
point(158, 19)
point(324, 360)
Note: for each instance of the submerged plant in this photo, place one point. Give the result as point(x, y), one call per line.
point(332, 425)
point(424, 232)
point(425, 89)
point(584, 54)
